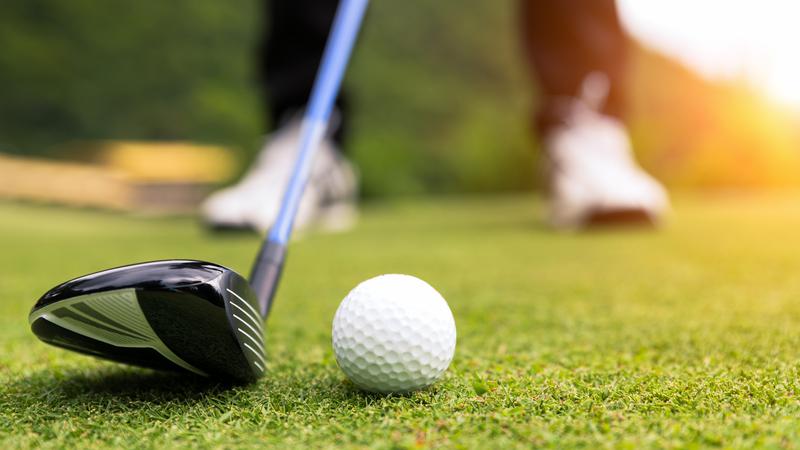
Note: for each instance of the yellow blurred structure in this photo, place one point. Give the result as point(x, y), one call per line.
point(64, 183)
point(144, 177)
point(167, 161)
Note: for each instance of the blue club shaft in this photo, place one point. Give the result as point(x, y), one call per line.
point(269, 264)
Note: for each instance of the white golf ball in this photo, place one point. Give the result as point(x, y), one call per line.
point(394, 333)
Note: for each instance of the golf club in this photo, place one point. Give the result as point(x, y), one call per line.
point(191, 315)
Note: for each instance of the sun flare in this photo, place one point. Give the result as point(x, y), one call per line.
point(726, 38)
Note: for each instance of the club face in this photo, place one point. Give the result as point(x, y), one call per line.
point(178, 315)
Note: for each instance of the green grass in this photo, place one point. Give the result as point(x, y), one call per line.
point(687, 337)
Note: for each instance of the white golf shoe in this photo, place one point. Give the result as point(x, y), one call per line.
point(253, 203)
point(593, 178)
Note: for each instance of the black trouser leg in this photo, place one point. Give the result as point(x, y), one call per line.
point(565, 40)
point(290, 53)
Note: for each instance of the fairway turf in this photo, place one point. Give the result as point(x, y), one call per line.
point(687, 337)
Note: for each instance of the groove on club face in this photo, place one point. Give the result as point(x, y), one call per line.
point(247, 317)
point(178, 315)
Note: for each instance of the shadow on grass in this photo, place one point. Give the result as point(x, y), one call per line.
point(46, 395)
point(348, 392)
point(107, 387)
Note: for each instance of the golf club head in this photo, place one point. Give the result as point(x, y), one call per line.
point(179, 315)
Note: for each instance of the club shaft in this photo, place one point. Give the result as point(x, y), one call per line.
point(266, 274)
point(269, 264)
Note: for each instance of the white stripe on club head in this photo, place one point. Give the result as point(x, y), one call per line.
point(258, 344)
point(247, 325)
point(259, 355)
point(248, 305)
point(258, 324)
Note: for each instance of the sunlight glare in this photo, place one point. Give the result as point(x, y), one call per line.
point(726, 38)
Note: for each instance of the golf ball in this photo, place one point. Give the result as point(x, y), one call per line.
point(394, 333)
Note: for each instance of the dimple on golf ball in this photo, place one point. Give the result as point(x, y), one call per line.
point(394, 333)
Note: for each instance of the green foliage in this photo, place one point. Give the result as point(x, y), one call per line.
point(81, 69)
point(683, 338)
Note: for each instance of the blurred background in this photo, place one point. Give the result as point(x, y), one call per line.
point(156, 102)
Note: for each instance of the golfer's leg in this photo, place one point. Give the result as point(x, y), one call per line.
point(578, 52)
point(565, 41)
point(293, 40)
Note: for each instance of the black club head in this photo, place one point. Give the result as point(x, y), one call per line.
point(178, 315)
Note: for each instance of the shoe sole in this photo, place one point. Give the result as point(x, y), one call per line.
point(333, 218)
point(632, 217)
point(231, 228)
